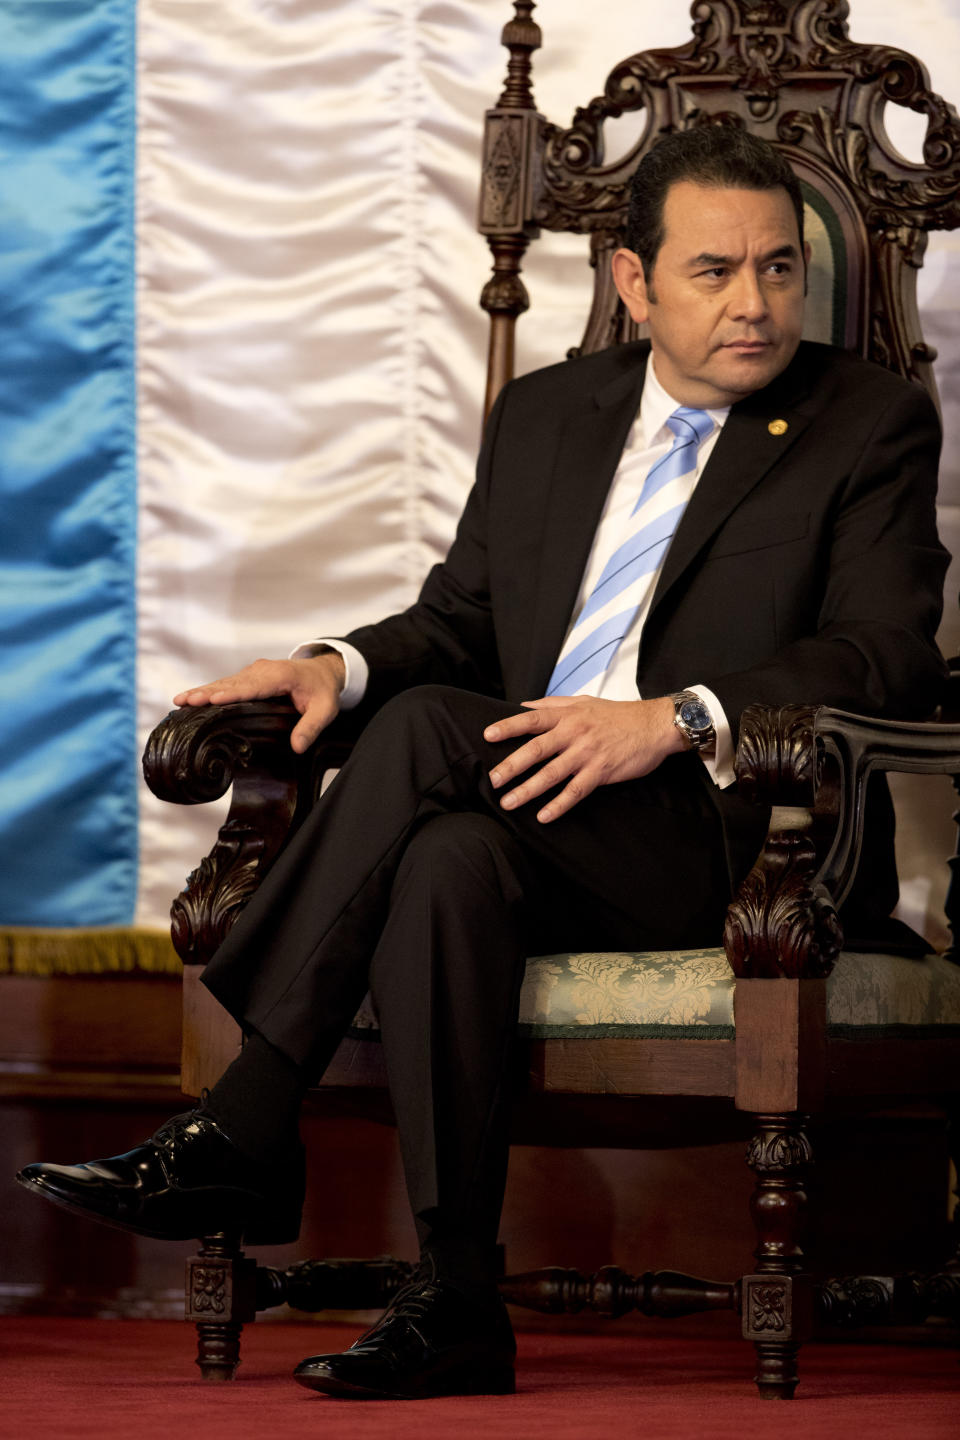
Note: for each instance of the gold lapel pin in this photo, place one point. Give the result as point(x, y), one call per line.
point(778, 427)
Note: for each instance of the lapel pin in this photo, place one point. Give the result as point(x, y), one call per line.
point(778, 427)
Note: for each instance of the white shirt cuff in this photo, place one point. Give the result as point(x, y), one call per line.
point(356, 668)
point(719, 763)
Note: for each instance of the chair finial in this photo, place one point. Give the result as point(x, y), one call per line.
point(521, 35)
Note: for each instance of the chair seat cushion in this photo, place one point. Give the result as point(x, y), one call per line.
point(690, 994)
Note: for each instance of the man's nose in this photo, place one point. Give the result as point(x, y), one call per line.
point(747, 300)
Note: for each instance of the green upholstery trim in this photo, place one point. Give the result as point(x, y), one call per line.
point(905, 1032)
point(691, 994)
point(625, 1032)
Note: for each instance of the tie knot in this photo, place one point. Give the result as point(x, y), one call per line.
point(688, 424)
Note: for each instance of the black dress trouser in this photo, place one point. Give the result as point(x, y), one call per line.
point(408, 879)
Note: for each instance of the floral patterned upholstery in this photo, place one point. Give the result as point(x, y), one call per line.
point(690, 994)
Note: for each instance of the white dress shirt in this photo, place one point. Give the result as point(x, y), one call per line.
point(648, 441)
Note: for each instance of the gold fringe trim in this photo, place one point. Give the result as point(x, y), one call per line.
point(112, 951)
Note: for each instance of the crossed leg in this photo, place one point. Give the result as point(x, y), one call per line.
point(409, 879)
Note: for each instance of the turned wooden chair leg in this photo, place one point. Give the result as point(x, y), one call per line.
point(777, 1300)
point(953, 1240)
point(221, 1299)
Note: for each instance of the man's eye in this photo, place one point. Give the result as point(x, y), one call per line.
point(779, 267)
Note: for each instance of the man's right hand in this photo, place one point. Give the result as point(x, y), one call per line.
point(313, 685)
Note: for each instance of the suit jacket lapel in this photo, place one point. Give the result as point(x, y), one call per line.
point(745, 451)
point(588, 454)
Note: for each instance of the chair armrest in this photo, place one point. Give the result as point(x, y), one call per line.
point(812, 764)
point(850, 747)
point(194, 756)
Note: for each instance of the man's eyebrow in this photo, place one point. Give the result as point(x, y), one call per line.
point(782, 252)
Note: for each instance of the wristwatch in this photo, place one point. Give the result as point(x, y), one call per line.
point(693, 719)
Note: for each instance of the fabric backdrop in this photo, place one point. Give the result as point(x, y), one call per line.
point(243, 360)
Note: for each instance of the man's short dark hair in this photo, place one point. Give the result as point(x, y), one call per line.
point(717, 156)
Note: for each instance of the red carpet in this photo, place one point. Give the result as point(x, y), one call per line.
point(74, 1379)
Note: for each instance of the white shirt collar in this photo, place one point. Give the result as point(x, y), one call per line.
point(656, 406)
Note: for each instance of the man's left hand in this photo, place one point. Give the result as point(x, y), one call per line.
point(585, 742)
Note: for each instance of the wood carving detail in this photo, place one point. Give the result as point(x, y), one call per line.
point(502, 173)
point(505, 293)
point(777, 758)
point(779, 1151)
point(613, 1293)
point(858, 1300)
point(204, 912)
point(790, 72)
point(766, 1307)
point(855, 1300)
point(521, 36)
point(939, 1295)
point(192, 757)
point(778, 1299)
point(781, 922)
point(208, 1292)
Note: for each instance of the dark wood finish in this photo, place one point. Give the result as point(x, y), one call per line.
point(781, 1044)
point(953, 1140)
point(783, 920)
point(221, 1299)
point(315, 1285)
point(856, 1301)
point(193, 757)
point(894, 1068)
point(777, 1300)
point(783, 923)
point(512, 140)
point(612, 1292)
point(849, 749)
point(633, 1067)
point(952, 903)
point(788, 71)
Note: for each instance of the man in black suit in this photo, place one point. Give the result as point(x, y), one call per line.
point(512, 792)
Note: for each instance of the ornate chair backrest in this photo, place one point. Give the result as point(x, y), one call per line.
point(786, 70)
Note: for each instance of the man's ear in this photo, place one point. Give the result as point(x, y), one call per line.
point(631, 286)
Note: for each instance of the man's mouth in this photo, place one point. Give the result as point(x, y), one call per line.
point(747, 347)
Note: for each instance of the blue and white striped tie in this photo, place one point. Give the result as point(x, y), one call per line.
point(623, 586)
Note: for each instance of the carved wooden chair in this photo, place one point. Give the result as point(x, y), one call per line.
point(788, 1027)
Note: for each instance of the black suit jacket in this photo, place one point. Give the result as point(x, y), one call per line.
point(806, 567)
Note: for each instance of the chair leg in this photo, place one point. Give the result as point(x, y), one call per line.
point(221, 1298)
point(953, 1145)
point(777, 1300)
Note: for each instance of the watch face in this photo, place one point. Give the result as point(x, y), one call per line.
point(695, 714)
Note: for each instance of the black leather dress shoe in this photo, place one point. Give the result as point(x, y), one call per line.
point(432, 1340)
point(187, 1180)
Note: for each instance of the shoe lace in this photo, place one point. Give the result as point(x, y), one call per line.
point(389, 1337)
point(414, 1301)
point(177, 1129)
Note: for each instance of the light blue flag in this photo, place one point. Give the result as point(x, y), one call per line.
point(68, 762)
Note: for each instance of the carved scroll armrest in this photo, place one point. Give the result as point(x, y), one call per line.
point(812, 764)
point(782, 921)
point(193, 757)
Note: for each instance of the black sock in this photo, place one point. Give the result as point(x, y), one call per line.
point(456, 1257)
point(257, 1100)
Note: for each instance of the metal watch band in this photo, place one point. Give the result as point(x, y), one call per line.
point(697, 723)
